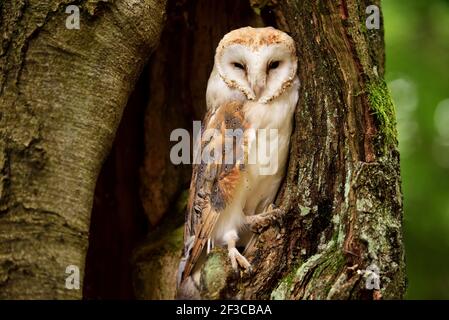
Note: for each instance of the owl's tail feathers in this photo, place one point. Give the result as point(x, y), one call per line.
point(187, 288)
point(195, 246)
point(182, 264)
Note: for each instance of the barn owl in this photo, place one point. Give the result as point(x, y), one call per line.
point(253, 86)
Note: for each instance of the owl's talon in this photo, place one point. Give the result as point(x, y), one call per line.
point(249, 270)
point(237, 259)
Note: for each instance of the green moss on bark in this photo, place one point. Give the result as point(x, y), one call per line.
point(214, 274)
point(382, 106)
point(322, 268)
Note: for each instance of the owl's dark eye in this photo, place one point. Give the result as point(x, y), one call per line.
point(239, 66)
point(273, 65)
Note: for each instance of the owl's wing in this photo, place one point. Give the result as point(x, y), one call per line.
point(214, 180)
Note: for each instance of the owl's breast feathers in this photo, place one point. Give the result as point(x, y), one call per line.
point(215, 179)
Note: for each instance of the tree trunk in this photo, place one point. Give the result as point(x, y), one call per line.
point(62, 93)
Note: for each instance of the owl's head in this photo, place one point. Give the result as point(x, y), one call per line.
point(260, 62)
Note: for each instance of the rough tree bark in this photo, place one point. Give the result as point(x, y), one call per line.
point(342, 193)
point(62, 93)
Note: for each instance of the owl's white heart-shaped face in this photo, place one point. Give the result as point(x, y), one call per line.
point(260, 62)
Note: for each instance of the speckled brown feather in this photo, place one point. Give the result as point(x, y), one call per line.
point(213, 185)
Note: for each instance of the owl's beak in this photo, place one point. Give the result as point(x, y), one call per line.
point(258, 85)
point(257, 90)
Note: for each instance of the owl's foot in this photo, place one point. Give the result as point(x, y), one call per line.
point(237, 259)
point(258, 222)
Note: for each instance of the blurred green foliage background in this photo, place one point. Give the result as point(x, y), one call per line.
point(417, 73)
